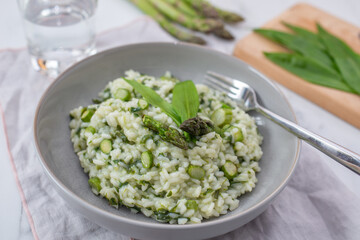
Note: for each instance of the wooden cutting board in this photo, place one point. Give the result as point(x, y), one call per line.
point(250, 49)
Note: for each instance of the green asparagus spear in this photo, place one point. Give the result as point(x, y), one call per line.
point(204, 8)
point(198, 24)
point(189, 11)
point(167, 133)
point(223, 33)
point(210, 11)
point(183, 7)
point(197, 126)
point(229, 17)
point(148, 9)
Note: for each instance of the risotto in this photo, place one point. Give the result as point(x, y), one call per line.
point(132, 165)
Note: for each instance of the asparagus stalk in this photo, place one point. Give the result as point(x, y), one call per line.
point(148, 9)
point(183, 7)
point(189, 11)
point(210, 11)
point(198, 24)
point(223, 33)
point(167, 133)
point(197, 126)
point(204, 8)
point(229, 17)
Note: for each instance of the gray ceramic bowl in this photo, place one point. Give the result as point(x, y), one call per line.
point(79, 84)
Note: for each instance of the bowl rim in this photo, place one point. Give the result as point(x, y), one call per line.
point(159, 225)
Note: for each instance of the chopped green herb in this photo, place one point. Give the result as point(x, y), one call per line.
point(137, 109)
point(123, 184)
point(191, 204)
point(162, 216)
point(208, 191)
point(122, 136)
point(97, 100)
point(113, 202)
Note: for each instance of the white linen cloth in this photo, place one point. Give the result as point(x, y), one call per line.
point(314, 205)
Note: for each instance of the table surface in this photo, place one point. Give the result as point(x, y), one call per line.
point(114, 13)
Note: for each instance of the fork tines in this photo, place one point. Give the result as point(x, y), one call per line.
point(222, 83)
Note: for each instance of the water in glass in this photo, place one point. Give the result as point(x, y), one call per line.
point(59, 32)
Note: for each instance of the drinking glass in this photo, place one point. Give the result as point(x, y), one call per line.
point(58, 32)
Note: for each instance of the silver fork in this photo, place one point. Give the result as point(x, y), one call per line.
point(244, 95)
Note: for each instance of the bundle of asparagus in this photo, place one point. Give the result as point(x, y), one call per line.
point(197, 15)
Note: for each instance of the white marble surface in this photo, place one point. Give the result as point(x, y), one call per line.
point(114, 13)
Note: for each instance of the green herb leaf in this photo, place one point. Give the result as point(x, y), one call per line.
point(153, 98)
point(185, 100)
point(300, 45)
point(308, 70)
point(345, 58)
point(309, 36)
point(321, 58)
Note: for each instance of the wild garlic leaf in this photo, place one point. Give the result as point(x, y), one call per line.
point(309, 70)
point(154, 99)
point(345, 58)
point(185, 100)
point(301, 45)
point(308, 35)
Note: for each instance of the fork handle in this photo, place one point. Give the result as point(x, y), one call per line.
point(340, 154)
